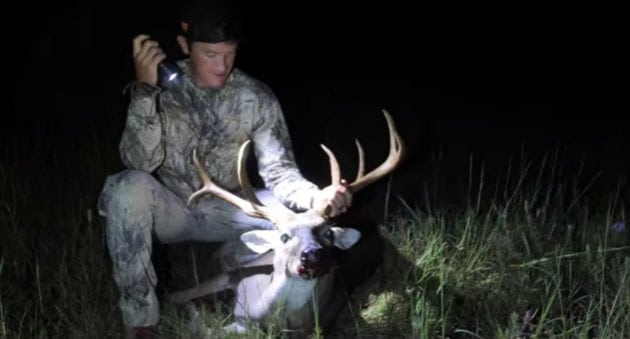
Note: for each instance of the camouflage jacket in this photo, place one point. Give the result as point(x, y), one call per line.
point(163, 127)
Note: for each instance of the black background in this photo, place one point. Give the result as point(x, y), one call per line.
point(482, 79)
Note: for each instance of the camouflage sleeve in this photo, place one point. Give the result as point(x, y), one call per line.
point(140, 146)
point(276, 160)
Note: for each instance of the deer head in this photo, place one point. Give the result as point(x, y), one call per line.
point(301, 241)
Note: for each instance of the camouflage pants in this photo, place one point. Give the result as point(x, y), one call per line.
point(136, 206)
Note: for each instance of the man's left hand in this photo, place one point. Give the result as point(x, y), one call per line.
point(334, 199)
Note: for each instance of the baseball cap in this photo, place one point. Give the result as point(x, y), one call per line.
point(211, 21)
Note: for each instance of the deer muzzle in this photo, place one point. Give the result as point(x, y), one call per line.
point(314, 262)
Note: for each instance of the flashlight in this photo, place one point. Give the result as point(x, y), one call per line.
point(169, 73)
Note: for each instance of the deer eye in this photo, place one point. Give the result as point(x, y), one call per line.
point(329, 235)
point(284, 237)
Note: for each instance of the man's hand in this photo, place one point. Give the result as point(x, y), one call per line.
point(147, 54)
point(334, 199)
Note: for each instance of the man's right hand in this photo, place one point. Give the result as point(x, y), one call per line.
point(147, 54)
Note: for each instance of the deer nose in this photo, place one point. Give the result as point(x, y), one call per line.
point(315, 261)
point(313, 257)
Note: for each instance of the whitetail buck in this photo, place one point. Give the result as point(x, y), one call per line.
point(292, 278)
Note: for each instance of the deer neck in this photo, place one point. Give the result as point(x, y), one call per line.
point(292, 293)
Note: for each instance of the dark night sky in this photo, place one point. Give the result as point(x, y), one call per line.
point(474, 77)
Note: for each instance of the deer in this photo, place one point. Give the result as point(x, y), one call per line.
point(293, 277)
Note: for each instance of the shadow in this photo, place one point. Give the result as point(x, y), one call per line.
point(373, 271)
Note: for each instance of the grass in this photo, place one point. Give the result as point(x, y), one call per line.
point(530, 253)
point(533, 261)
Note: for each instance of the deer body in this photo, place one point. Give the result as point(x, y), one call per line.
point(276, 285)
point(292, 278)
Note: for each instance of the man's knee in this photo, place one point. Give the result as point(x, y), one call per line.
point(130, 190)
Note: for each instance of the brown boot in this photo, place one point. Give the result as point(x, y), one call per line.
point(149, 332)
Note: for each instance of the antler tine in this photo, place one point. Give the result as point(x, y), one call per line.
point(396, 149)
point(361, 168)
point(207, 184)
point(335, 172)
point(278, 216)
point(251, 208)
point(243, 179)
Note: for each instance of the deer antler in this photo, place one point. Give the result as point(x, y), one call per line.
point(252, 206)
point(396, 150)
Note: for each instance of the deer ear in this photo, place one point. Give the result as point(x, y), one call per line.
point(261, 241)
point(346, 237)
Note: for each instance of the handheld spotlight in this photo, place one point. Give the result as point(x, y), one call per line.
point(169, 73)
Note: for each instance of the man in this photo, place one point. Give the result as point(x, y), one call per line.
point(214, 108)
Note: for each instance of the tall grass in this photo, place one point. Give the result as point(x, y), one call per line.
point(55, 280)
point(530, 253)
point(532, 259)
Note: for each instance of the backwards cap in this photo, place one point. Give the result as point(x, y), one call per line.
point(210, 21)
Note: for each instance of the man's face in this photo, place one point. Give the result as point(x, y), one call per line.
point(212, 63)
